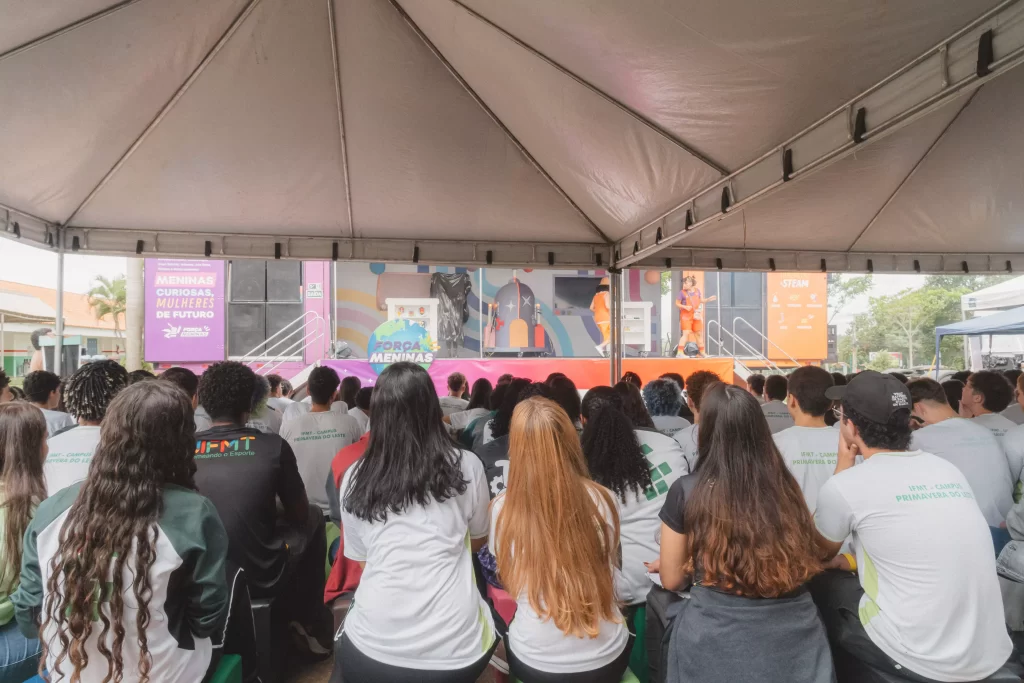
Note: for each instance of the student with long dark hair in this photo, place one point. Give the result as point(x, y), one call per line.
point(479, 405)
point(22, 450)
point(494, 454)
point(125, 571)
point(412, 509)
point(555, 534)
point(633, 405)
point(739, 530)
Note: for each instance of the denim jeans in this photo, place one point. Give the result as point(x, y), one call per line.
point(19, 656)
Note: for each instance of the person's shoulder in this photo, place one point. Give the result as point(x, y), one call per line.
point(470, 463)
point(687, 436)
point(1014, 436)
point(54, 506)
point(786, 435)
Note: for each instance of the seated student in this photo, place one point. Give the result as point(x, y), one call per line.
point(87, 393)
point(985, 395)
point(412, 508)
point(776, 389)
point(664, 398)
point(555, 533)
point(1014, 412)
point(755, 385)
point(350, 386)
point(632, 378)
point(277, 399)
point(42, 389)
point(22, 488)
point(965, 443)
point(696, 384)
point(137, 527)
point(187, 381)
point(345, 573)
point(455, 401)
point(809, 447)
point(318, 435)
point(1013, 445)
point(494, 454)
point(244, 472)
point(839, 380)
point(6, 395)
point(739, 531)
point(136, 376)
point(684, 409)
point(361, 410)
point(954, 389)
point(264, 417)
point(473, 436)
point(479, 405)
point(927, 606)
point(638, 475)
point(567, 396)
point(662, 451)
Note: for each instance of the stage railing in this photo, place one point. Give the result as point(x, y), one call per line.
point(267, 357)
point(754, 353)
point(762, 336)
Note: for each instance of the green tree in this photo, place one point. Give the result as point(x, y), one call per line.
point(842, 291)
point(666, 282)
point(882, 361)
point(108, 297)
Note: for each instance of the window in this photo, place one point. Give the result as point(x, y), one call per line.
point(265, 297)
point(92, 347)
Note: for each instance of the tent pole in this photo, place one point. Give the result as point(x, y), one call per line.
point(615, 290)
point(3, 349)
point(480, 309)
point(58, 347)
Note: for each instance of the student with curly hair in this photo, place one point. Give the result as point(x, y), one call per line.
point(245, 472)
point(22, 488)
point(42, 389)
point(664, 399)
point(87, 393)
point(739, 532)
point(123, 575)
point(696, 384)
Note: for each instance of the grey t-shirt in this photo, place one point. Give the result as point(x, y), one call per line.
point(56, 421)
point(978, 455)
point(777, 415)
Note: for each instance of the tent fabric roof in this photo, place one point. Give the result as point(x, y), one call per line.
point(1006, 294)
point(1004, 322)
point(522, 133)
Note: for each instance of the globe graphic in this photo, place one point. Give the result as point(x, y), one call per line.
point(400, 340)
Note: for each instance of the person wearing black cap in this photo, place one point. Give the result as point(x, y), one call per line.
point(927, 606)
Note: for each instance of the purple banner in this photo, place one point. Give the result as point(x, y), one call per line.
point(184, 310)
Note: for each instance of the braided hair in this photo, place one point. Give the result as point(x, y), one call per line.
point(90, 390)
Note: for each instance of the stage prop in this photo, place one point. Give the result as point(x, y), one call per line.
point(585, 372)
point(451, 290)
point(419, 311)
point(636, 325)
point(513, 323)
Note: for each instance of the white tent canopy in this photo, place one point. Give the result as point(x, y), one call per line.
point(1008, 294)
point(532, 132)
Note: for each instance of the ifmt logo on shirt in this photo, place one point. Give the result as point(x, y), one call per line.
point(222, 448)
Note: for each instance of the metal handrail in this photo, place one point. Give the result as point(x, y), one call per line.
point(754, 353)
point(762, 335)
point(312, 326)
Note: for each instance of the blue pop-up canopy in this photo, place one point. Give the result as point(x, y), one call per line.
point(1004, 322)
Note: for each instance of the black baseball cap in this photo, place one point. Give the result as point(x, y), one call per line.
point(874, 395)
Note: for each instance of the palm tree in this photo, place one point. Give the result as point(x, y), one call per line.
point(108, 297)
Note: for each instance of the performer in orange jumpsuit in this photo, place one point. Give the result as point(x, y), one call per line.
point(690, 303)
point(601, 308)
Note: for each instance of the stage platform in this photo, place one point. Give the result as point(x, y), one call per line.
point(585, 372)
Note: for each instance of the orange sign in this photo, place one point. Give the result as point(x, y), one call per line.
point(798, 316)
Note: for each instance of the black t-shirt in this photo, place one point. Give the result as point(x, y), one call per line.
point(494, 456)
point(243, 471)
point(672, 510)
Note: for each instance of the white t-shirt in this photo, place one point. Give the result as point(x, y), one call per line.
point(267, 420)
point(1014, 413)
point(461, 419)
point(1013, 446)
point(925, 560)
point(362, 418)
point(976, 453)
point(57, 421)
point(279, 403)
point(687, 440)
point(417, 604)
point(996, 423)
point(810, 453)
point(777, 415)
point(639, 524)
point(451, 404)
point(316, 438)
point(297, 408)
point(669, 424)
point(68, 461)
point(202, 420)
point(540, 645)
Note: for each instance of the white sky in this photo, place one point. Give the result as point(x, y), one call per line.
point(31, 265)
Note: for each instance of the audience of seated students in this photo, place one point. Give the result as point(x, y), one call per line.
point(455, 401)
point(494, 453)
point(632, 378)
point(317, 436)
point(472, 437)
point(755, 385)
point(567, 396)
point(87, 393)
point(42, 389)
point(555, 534)
point(136, 376)
point(264, 416)
point(810, 446)
point(620, 458)
point(413, 509)
point(361, 410)
point(986, 394)
point(684, 410)
point(776, 389)
point(696, 384)
point(187, 381)
point(1013, 412)
point(973, 449)
point(1013, 445)
point(739, 532)
point(137, 528)
point(479, 405)
point(277, 399)
point(664, 398)
point(22, 488)
point(925, 604)
point(244, 472)
point(6, 395)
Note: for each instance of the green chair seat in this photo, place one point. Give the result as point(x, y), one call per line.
point(229, 670)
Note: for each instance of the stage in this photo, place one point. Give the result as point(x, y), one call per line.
point(585, 372)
